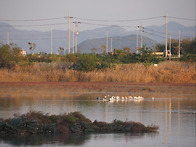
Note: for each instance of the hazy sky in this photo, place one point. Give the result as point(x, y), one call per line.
point(95, 9)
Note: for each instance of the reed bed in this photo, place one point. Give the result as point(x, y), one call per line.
point(165, 72)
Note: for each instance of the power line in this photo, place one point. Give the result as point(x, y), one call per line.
point(188, 19)
point(101, 20)
point(162, 32)
point(106, 25)
point(154, 30)
point(42, 38)
point(19, 20)
point(88, 23)
point(159, 33)
point(33, 25)
point(96, 24)
point(151, 33)
point(127, 20)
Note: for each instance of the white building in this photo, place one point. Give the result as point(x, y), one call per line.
point(23, 52)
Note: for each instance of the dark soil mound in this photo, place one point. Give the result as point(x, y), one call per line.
point(75, 122)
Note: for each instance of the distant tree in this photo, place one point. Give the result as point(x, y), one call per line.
point(123, 57)
point(85, 63)
point(185, 46)
point(188, 46)
point(93, 50)
point(32, 46)
point(17, 53)
point(174, 46)
point(160, 47)
point(117, 51)
point(147, 57)
point(103, 48)
point(61, 50)
point(126, 50)
point(12, 45)
point(6, 57)
point(193, 46)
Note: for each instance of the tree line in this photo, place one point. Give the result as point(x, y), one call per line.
point(187, 46)
point(10, 56)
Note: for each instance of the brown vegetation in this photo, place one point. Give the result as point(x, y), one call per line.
point(165, 72)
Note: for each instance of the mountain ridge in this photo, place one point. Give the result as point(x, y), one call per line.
point(118, 42)
point(60, 37)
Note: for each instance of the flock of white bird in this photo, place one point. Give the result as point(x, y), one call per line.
point(122, 99)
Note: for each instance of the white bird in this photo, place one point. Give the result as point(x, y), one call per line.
point(135, 97)
point(104, 99)
point(110, 99)
point(117, 97)
point(123, 98)
point(140, 97)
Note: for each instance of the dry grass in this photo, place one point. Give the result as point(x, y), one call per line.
point(172, 72)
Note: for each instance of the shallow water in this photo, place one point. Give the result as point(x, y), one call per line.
point(174, 116)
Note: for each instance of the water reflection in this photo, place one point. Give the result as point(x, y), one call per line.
point(37, 140)
point(175, 117)
point(178, 117)
point(73, 140)
point(166, 122)
point(170, 114)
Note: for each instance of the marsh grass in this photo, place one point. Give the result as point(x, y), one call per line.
point(170, 72)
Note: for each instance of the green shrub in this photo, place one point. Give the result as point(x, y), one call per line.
point(86, 63)
point(188, 58)
point(71, 119)
point(6, 57)
point(81, 117)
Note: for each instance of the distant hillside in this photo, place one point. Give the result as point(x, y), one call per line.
point(158, 32)
point(118, 42)
point(91, 38)
point(101, 32)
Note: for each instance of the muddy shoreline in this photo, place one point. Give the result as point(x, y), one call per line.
point(89, 84)
point(66, 89)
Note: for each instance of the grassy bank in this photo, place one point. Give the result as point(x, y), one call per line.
point(172, 72)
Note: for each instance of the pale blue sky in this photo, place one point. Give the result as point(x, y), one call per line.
point(95, 9)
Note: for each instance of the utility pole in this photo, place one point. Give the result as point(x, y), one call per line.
point(170, 44)
point(141, 30)
point(73, 41)
point(8, 38)
point(137, 41)
point(170, 48)
point(111, 45)
point(69, 33)
point(166, 36)
point(179, 45)
point(107, 43)
point(51, 40)
point(76, 34)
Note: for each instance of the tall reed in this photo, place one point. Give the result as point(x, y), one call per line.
point(170, 72)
